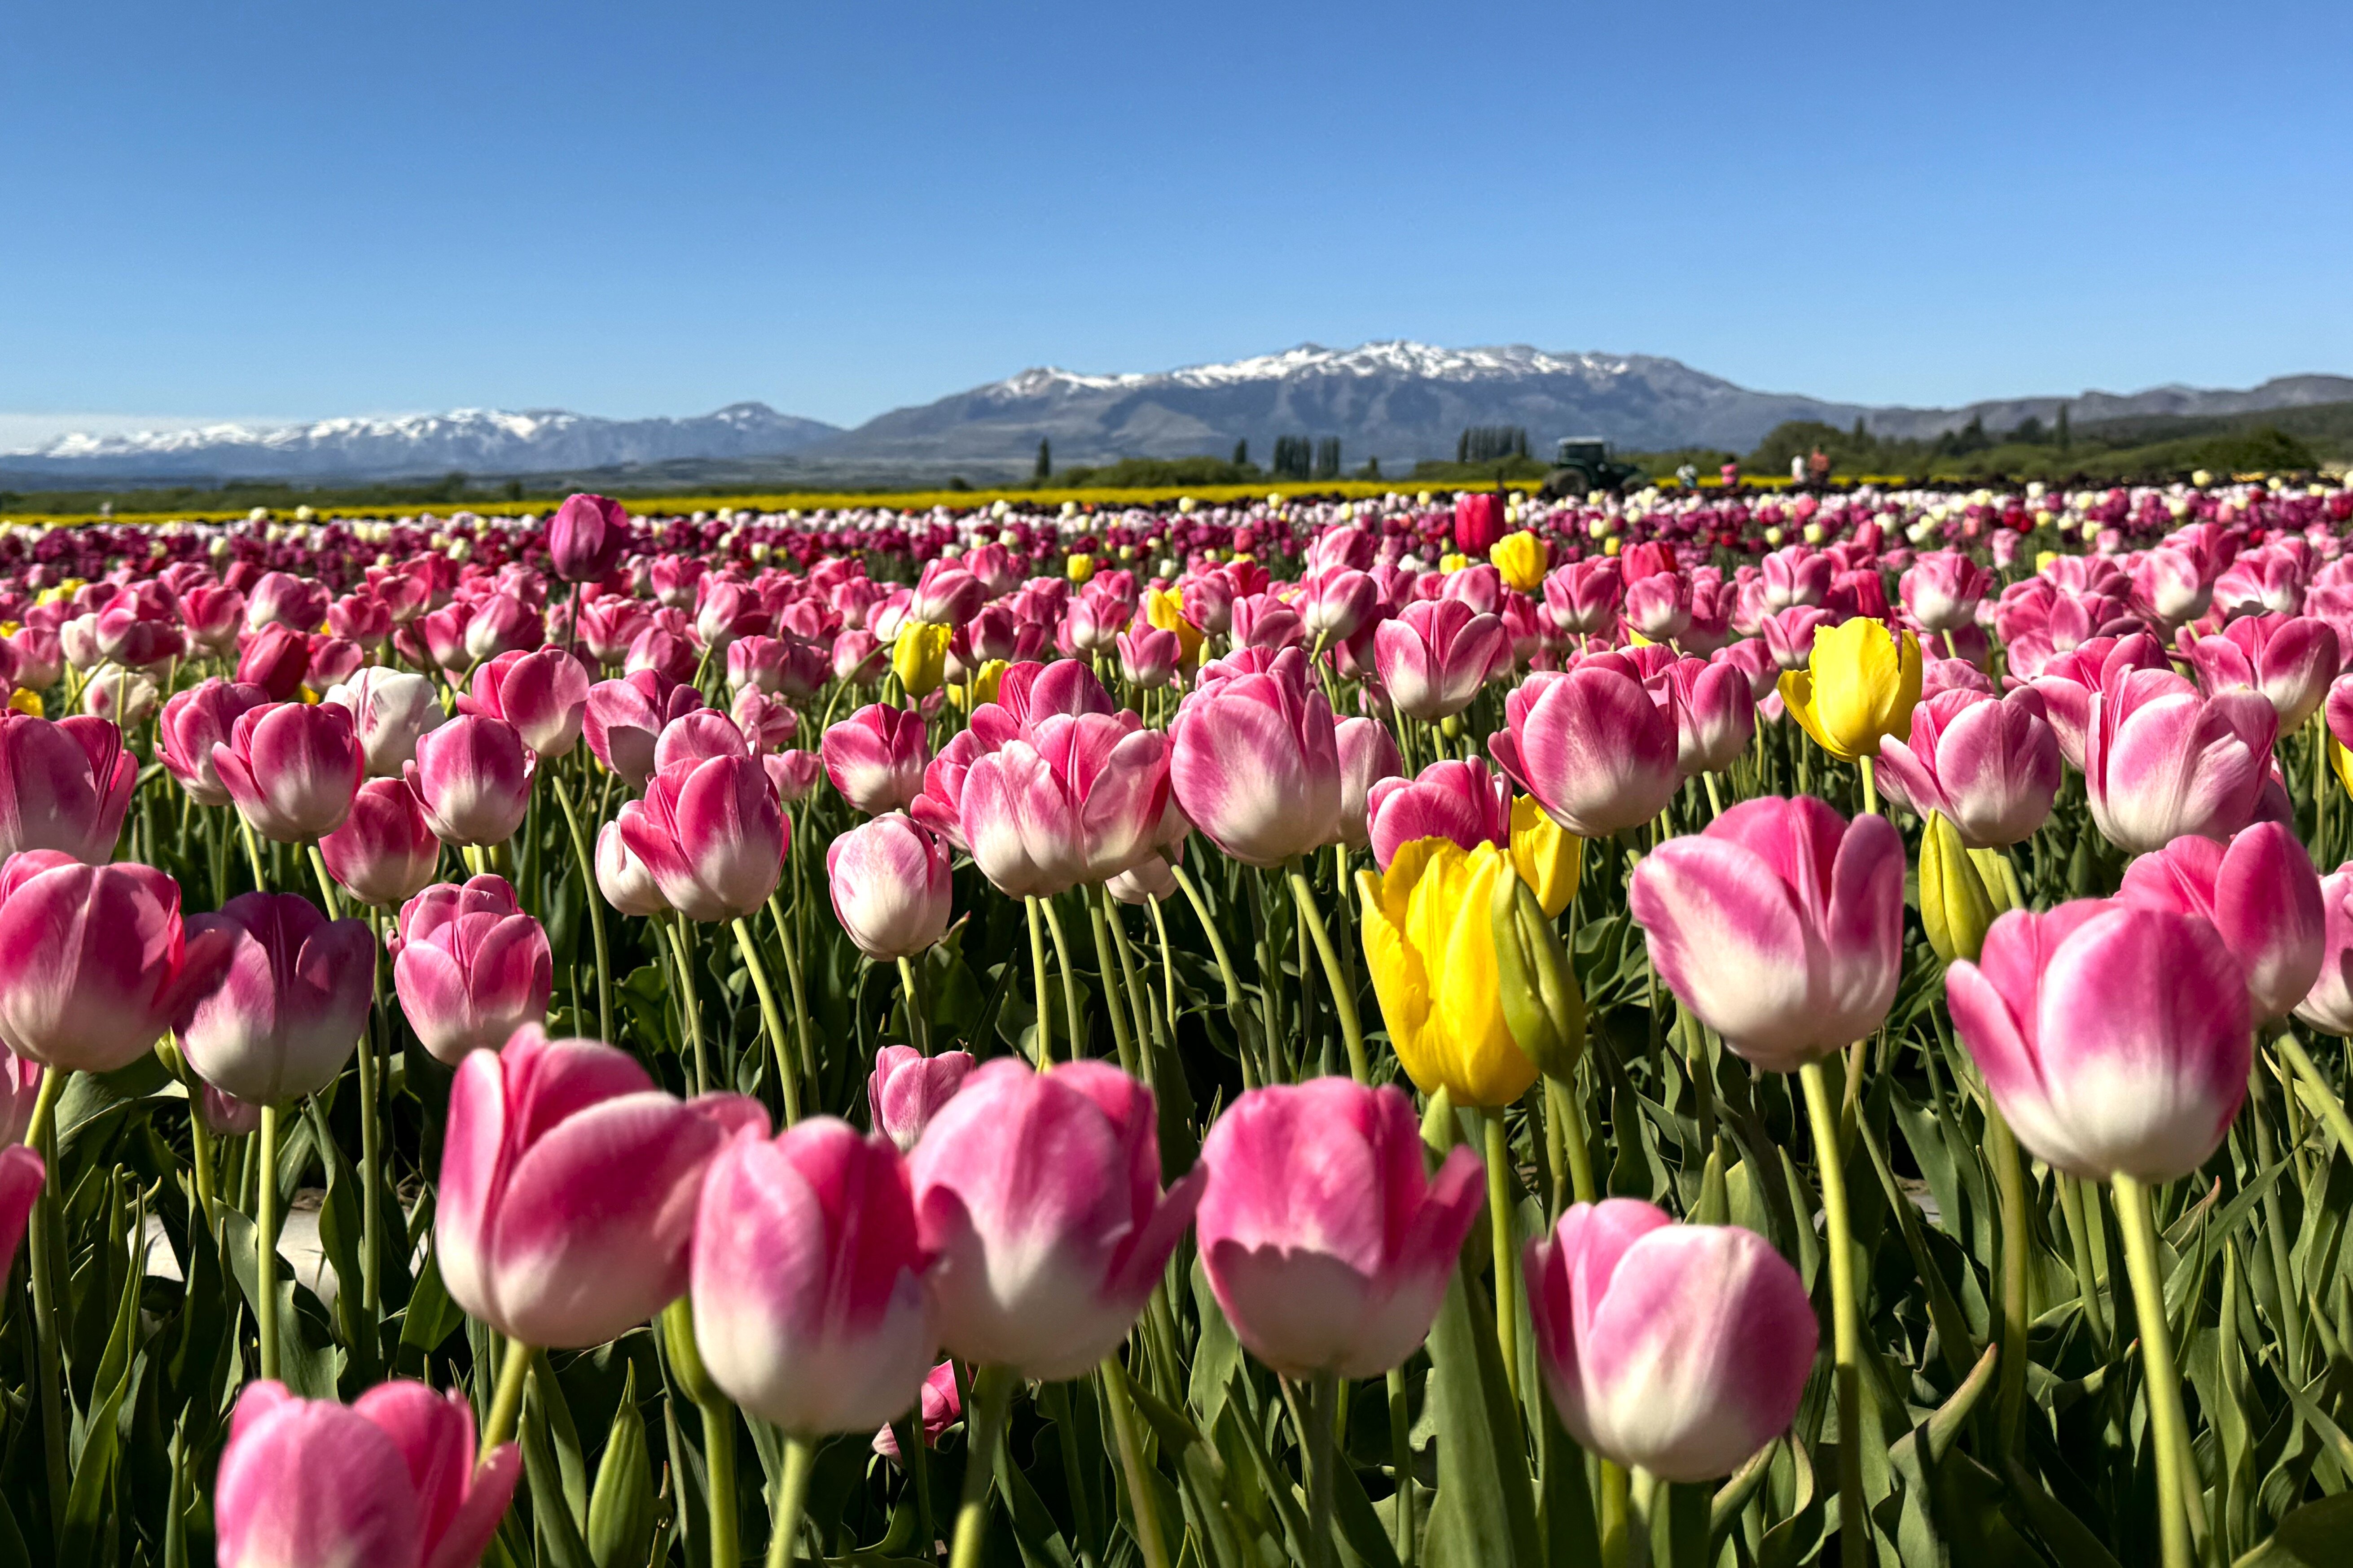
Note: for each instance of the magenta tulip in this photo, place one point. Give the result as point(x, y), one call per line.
point(1325, 1242)
point(712, 836)
point(586, 537)
point(2260, 892)
point(1040, 1194)
point(907, 1088)
point(2115, 1040)
point(22, 1175)
point(2328, 1005)
point(1478, 523)
point(2067, 683)
point(876, 758)
point(810, 1302)
point(469, 967)
point(1582, 597)
point(389, 708)
point(1591, 745)
point(942, 1406)
point(389, 1482)
point(543, 694)
point(889, 884)
point(1677, 1349)
point(1466, 801)
point(1781, 926)
point(1942, 590)
point(2290, 659)
point(282, 599)
point(385, 853)
point(621, 877)
point(1990, 764)
point(1148, 656)
point(2160, 761)
point(1715, 714)
point(1367, 755)
point(624, 719)
point(568, 1188)
point(194, 723)
point(1075, 801)
point(93, 962)
point(1435, 655)
point(64, 785)
point(473, 777)
point(292, 769)
point(275, 659)
point(20, 1086)
point(282, 1016)
point(1254, 763)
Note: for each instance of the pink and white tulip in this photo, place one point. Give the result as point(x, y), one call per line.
point(1990, 764)
point(876, 758)
point(907, 1088)
point(469, 967)
point(2259, 891)
point(282, 1015)
point(1591, 745)
point(889, 884)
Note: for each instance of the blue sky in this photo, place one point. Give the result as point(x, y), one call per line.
point(280, 209)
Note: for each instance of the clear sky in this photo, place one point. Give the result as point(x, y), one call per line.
point(240, 209)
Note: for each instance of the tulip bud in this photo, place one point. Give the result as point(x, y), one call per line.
point(1542, 1004)
point(1954, 902)
point(918, 657)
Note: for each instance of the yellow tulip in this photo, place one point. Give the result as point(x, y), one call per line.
point(1858, 688)
point(1549, 856)
point(1079, 568)
point(1453, 562)
point(1610, 545)
point(1164, 608)
point(985, 680)
point(1430, 942)
point(918, 657)
point(24, 702)
point(1522, 558)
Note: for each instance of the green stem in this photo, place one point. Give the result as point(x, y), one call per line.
point(683, 955)
point(772, 1020)
point(2161, 1380)
point(1142, 1006)
point(1108, 967)
point(370, 1139)
point(1846, 1326)
point(1500, 1195)
point(1401, 1461)
point(1141, 1495)
point(919, 1027)
point(789, 936)
point(1344, 993)
point(586, 855)
point(327, 899)
point(1868, 768)
point(265, 1244)
point(2010, 1176)
point(792, 1496)
point(1218, 949)
point(2332, 1109)
point(1044, 1041)
point(992, 1399)
point(1642, 1507)
point(1323, 1400)
point(719, 1462)
point(1167, 969)
point(41, 1136)
point(506, 1400)
point(1069, 984)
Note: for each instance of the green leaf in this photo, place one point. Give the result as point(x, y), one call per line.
point(1485, 1510)
point(2317, 1535)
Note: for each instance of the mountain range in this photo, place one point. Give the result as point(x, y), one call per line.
point(1396, 401)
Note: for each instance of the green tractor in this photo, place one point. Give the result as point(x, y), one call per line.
point(1582, 466)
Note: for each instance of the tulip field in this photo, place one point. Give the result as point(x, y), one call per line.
point(1707, 1032)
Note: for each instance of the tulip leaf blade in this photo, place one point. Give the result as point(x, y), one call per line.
point(1485, 1509)
point(2317, 1535)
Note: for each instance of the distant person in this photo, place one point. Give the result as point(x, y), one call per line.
point(1730, 473)
point(1798, 469)
point(1687, 476)
point(1818, 468)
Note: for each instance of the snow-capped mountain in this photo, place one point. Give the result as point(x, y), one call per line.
point(475, 440)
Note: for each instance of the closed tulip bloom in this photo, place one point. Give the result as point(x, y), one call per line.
point(1367, 755)
point(889, 884)
point(919, 655)
point(795, 773)
point(1591, 745)
point(712, 835)
point(2290, 659)
point(473, 777)
point(2067, 683)
point(280, 598)
point(1430, 943)
point(1678, 1348)
point(568, 1188)
point(389, 708)
point(1857, 688)
point(469, 967)
point(385, 853)
point(1478, 523)
point(1147, 881)
point(388, 1482)
point(810, 1310)
point(1435, 655)
point(1254, 763)
point(624, 719)
point(876, 757)
point(280, 1018)
point(1326, 1245)
point(21, 1176)
point(1148, 656)
point(292, 769)
point(1074, 803)
point(1039, 1192)
point(1716, 717)
point(1548, 858)
point(1789, 635)
point(1942, 590)
point(2328, 1005)
point(1334, 603)
point(1582, 597)
point(211, 617)
point(586, 537)
point(621, 877)
point(1990, 764)
point(704, 733)
point(2160, 761)
point(64, 785)
point(194, 723)
point(2115, 1040)
point(1659, 606)
point(907, 1088)
point(1781, 926)
point(1465, 802)
point(275, 659)
point(97, 963)
point(2260, 893)
point(502, 624)
point(543, 694)
point(1522, 558)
